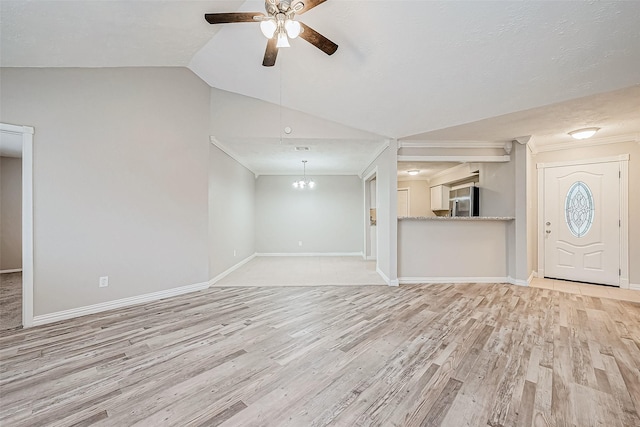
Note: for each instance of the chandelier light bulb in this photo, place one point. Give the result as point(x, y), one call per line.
point(268, 28)
point(312, 184)
point(292, 27)
point(282, 40)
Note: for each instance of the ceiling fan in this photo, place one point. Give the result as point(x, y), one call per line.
point(278, 25)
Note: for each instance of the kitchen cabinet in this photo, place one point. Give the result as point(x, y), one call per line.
point(440, 198)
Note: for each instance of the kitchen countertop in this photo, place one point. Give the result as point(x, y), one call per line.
point(457, 218)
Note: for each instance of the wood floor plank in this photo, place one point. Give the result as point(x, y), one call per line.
point(443, 354)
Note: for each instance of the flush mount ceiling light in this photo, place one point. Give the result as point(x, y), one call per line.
point(583, 133)
point(279, 25)
point(413, 172)
point(304, 182)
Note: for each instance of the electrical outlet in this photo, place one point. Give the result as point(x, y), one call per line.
point(299, 242)
point(234, 252)
point(104, 282)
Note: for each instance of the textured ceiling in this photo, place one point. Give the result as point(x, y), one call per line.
point(404, 69)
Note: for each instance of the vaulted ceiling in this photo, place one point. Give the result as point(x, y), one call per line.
point(445, 70)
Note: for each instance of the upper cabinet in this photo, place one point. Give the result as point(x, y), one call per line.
point(440, 198)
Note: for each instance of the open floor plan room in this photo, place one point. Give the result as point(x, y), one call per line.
point(417, 355)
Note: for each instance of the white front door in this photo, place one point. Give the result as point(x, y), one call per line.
point(582, 223)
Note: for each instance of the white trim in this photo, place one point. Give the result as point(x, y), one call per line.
point(634, 286)
point(518, 282)
point(408, 198)
point(624, 223)
point(13, 270)
point(592, 142)
point(388, 281)
point(505, 158)
point(231, 269)
point(376, 154)
point(229, 152)
point(623, 161)
point(120, 303)
point(308, 174)
point(359, 254)
point(430, 280)
point(27, 219)
point(370, 258)
point(611, 159)
point(450, 144)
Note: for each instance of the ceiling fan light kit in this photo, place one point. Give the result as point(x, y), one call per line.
point(279, 25)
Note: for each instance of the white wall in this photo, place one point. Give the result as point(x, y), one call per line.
point(231, 212)
point(609, 150)
point(120, 179)
point(10, 213)
point(386, 165)
point(327, 219)
point(419, 197)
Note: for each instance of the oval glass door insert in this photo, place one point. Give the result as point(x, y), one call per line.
point(579, 209)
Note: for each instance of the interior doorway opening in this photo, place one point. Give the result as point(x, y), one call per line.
point(16, 142)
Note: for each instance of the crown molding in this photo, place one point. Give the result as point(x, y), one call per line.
point(450, 144)
point(373, 158)
point(461, 159)
point(633, 137)
point(229, 152)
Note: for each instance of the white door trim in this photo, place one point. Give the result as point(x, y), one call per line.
point(367, 205)
point(623, 161)
point(408, 198)
point(27, 218)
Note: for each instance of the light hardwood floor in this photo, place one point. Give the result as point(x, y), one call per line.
point(430, 355)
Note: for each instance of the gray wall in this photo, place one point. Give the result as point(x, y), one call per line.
point(608, 150)
point(10, 213)
point(231, 212)
point(327, 219)
point(120, 179)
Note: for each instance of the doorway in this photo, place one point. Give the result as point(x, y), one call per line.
point(583, 223)
point(371, 220)
point(14, 139)
point(403, 202)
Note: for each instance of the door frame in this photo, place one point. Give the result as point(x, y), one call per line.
point(27, 218)
point(623, 161)
point(408, 189)
point(366, 179)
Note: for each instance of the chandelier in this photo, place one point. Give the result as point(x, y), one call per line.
point(304, 182)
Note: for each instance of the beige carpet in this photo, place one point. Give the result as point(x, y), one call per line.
point(304, 271)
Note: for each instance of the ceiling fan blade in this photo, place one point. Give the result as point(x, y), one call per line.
point(318, 40)
point(228, 18)
point(307, 5)
point(271, 53)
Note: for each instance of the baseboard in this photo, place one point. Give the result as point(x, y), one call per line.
point(430, 280)
point(310, 254)
point(120, 303)
point(15, 270)
point(231, 269)
point(519, 282)
point(634, 286)
point(388, 281)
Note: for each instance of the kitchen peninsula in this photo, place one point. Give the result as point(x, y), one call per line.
point(438, 249)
